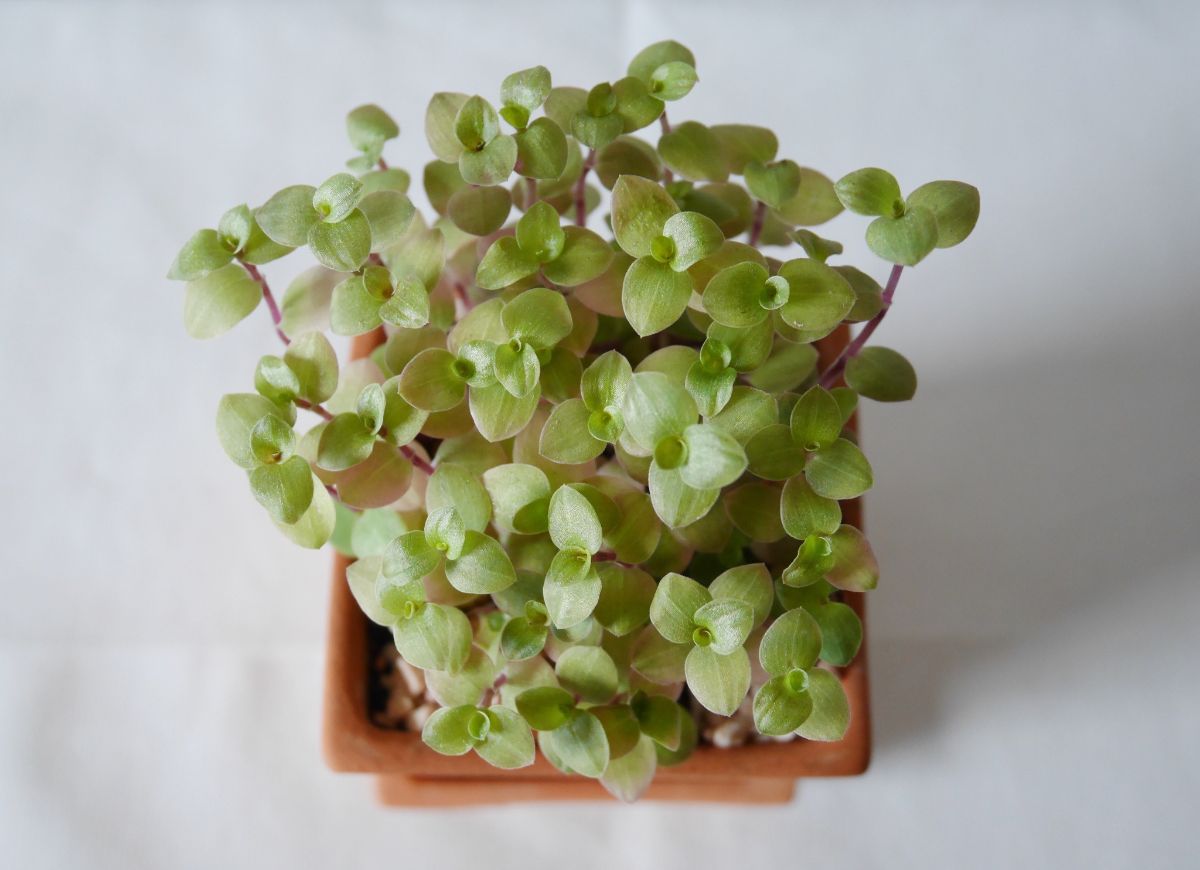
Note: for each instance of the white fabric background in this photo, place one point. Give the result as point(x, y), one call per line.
point(1035, 510)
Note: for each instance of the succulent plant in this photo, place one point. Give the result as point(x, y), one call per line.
point(584, 480)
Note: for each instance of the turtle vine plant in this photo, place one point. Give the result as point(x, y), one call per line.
point(584, 480)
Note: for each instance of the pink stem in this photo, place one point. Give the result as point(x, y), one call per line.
point(852, 349)
point(760, 217)
point(276, 316)
point(581, 189)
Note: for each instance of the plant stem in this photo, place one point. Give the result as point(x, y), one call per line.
point(609, 556)
point(853, 348)
point(276, 316)
point(531, 193)
point(316, 409)
point(581, 189)
point(382, 164)
point(760, 217)
point(668, 175)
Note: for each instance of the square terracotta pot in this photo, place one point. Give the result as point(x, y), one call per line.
point(411, 774)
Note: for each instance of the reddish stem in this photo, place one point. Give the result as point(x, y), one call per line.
point(581, 189)
point(383, 164)
point(276, 315)
point(316, 409)
point(853, 348)
point(760, 217)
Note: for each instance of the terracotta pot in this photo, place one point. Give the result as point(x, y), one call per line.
point(411, 774)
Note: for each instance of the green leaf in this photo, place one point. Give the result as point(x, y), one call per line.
point(747, 412)
point(446, 532)
point(955, 206)
point(539, 232)
point(792, 641)
point(905, 240)
point(606, 381)
point(522, 639)
point(714, 458)
point(305, 304)
point(402, 421)
point(313, 360)
point(625, 597)
point(585, 256)
point(868, 294)
point(816, 419)
point(621, 729)
point(314, 528)
point(467, 684)
point(408, 306)
point(542, 150)
point(695, 237)
point(723, 624)
point(369, 126)
point(805, 513)
point(636, 105)
point(565, 437)
point(572, 588)
point(275, 381)
point(517, 369)
point(479, 210)
point(596, 132)
point(870, 191)
point(287, 216)
point(754, 510)
point(504, 264)
point(546, 708)
point(830, 715)
point(409, 557)
point(628, 776)
point(638, 531)
point(337, 196)
point(219, 301)
point(673, 80)
point(779, 709)
point(439, 125)
point(718, 682)
point(676, 503)
point(201, 254)
point(640, 210)
point(841, 632)
point(563, 104)
point(660, 719)
point(855, 567)
point(650, 58)
point(694, 151)
point(818, 298)
point(710, 390)
point(344, 443)
point(514, 489)
point(772, 183)
point(814, 203)
point(656, 408)
point(839, 471)
point(361, 575)
point(749, 584)
point(774, 455)
point(573, 521)
point(539, 317)
point(742, 144)
point(453, 485)
point(734, 295)
point(353, 308)
point(788, 366)
point(816, 247)
point(658, 659)
point(445, 731)
point(372, 532)
point(433, 637)
point(498, 414)
point(343, 246)
point(509, 742)
point(581, 744)
point(882, 374)
point(431, 381)
point(285, 490)
point(382, 478)
point(237, 413)
point(654, 295)
point(482, 568)
point(627, 155)
point(673, 608)
point(527, 88)
point(588, 672)
point(476, 123)
point(491, 165)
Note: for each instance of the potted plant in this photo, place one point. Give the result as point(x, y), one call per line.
point(592, 471)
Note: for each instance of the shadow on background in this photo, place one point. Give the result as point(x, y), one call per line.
point(1027, 509)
